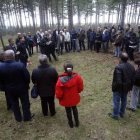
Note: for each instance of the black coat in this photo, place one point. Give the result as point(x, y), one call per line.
point(35, 38)
point(134, 40)
point(98, 38)
point(112, 37)
point(44, 46)
point(123, 78)
point(128, 36)
point(54, 34)
point(46, 80)
point(88, 34)
point(17, 40)
point(137, 77)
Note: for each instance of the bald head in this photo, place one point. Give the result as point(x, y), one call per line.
point(9, 55)
point(123, 57)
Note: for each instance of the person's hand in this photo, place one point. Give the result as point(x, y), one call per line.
point(18, 53)
point(47, 43)
point(114, 43)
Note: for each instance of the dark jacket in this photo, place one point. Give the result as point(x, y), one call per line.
point(35, 38)
point(30, 40)
point(81, 35)
point(88, 33)
point(112, 37)
point(21, 47)
point(55, 35)
point(44, 46)
point(128, 36)
point(46, 80)
point(134, 40)
point(119, 40)
point(137, 77)
point(15, 77)
point(17, 40)
point(123, 78)
point(105, 37)
point(98, 38)
point(15, 51)
point(73, 34)
point(2, 85)
point(92, 36)
point(111, 29)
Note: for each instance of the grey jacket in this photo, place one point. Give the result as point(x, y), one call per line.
point(58, 39)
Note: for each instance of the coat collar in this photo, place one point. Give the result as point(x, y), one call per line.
point(44, 66)
point(9, 61)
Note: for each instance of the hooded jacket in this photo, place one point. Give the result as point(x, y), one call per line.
point(68, 88)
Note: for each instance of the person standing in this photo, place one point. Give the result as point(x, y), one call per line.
point(88, 37)
point(67, 40)
point(92, 39)
point(81, 36)
point(73, 34)
point(112, 28)
point(55, 35)
point(17, 39)
point(98, 39)
point(128, 36)
point(16, 78)
point(132, 45)
point(21, 47)
point(135, 95)
point(47, 78)
point(12, 46)
point(105, 40)
point(67, 90)
point(122, 83)
point(118, 42)
point(30, 42)
point(139, 38)
point(41, 33)
point(60, 41)
point(37, 39)
point(2, 85)
point(112, 38)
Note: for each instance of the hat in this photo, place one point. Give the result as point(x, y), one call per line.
point(137, 61)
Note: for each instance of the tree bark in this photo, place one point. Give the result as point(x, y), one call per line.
point(70, 14)
point(123, 12)
point(52, 15)
point(57, 14)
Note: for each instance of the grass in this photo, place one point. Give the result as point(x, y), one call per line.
point(96, 71)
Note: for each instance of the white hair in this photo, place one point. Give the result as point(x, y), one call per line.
point(42, 59)
point(49, 30)
point(37, 32)
point(9, 54)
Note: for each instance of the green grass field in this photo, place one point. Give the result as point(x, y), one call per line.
point(96, 71)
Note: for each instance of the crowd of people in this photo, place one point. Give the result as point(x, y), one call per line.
point(15, 78)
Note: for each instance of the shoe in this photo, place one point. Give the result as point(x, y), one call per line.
point(56, 60)
point(114, 56)
point(110, 115)
point(70, 124)
point(30, 55)
point(50, 61)
point(32, 115)
point(121, 116)
point(128, 108)
point(77, 124)
point(54, 113)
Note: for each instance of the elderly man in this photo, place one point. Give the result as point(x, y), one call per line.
point(18, 38)
point(105, 40)
point(88, 36)
point(112, 28)
point(41, 33)
point(60, 42)
point(92, 39)
point(46, 80)
point(37, 39)
point(16, 78)
point(122, 83)
point(67, 40)
point(112, 38)
point(21, 47)
point(30, 41)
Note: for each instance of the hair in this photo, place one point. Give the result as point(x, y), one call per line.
point(1, 54)
point(129, 25)
point(123, 56)
point(37, 32)
point(24, 34)
point(29, 32)
point(43, 59)
point(21, 37)
point(68, 66)
point(49, 30)
point(132, 29)
point(133, 34)
point(9, 40)
point(9, 54)
point(120, 31)
point(6, 48)
point(137, 61)
point(47, 34)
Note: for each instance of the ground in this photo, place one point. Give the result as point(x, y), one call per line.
point(96, 71)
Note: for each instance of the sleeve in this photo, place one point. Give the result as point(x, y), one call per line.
point(119, 40)
point(137, 75)
point(42, 43)
point(58, 90)
point(33, 76)
point(55, 76)
point(118, 76)
point(80, 84)
point(18, 47)
point(26, 74)
point(136, 41)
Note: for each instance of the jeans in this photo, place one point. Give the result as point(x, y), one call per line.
point(117, 50)
point(25, 106)
point(98, 45)
point(130, 53)
point(29, 51)
point(135, 98)
point(116, 104)
point(81, 43)
point(31, 48)
point(139, 46)
point(105, 47)
point(38, 45)
point(74, 41)
point(66, 48)
point(88, 41)
point(45, 101)
point(69, 113)
point(60, 46)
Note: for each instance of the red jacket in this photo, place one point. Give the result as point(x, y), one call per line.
point(67, 90)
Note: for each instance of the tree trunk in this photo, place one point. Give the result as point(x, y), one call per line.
point(123, 12)
point(52, 15)
point(79, 22)
point(62, 14)
point(57, 14)
point(118, 14)
point(40, 14)
point(130, 13)
point(109, 17)
point(70, 14)
point(24, 13)
point(138, 17)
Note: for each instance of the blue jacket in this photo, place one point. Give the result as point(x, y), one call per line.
point(73, 34)
point(105, 37)
point(92, 36)
point(15, 77)
point(30, 40)
point(79, 30)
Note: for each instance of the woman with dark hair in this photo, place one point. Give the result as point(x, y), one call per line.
point(132, 45)
point(67, 90)
point(98, 39)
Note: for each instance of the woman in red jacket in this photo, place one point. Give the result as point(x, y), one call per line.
point(67, 90)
